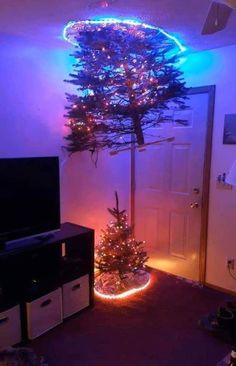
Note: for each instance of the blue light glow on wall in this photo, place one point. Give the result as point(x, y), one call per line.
point(70, 29)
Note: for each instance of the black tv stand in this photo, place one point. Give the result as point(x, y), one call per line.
point(44, 237)
point(53, 269)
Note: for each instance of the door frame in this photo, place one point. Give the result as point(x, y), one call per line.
point(210, 91)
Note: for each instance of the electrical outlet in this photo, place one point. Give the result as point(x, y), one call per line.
point(230, 263)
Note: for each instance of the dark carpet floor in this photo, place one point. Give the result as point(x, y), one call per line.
point(158, 327)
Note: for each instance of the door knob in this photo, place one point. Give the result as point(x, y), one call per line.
point(194, 205)
point(196, 190)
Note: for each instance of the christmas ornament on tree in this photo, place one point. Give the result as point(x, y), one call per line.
point(125, 74)
point(120, 259)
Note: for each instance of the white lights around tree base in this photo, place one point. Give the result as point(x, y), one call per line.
point(111, 286)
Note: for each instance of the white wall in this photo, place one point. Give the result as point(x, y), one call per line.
point(88, 191)
point(217, 67)
point(32, 101)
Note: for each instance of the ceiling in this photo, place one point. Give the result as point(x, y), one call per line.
point(43, 20)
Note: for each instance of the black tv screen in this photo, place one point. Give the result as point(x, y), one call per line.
point(29, 197)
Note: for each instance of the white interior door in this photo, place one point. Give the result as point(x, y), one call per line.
point(168, 191)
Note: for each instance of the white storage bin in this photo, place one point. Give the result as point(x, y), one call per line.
point(10, 327)
point(44, 313)
point(75, 295)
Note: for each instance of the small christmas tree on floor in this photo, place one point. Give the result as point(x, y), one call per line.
point(120, 259)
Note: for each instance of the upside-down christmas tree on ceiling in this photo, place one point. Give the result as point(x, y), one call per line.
point(120, 259)
point(125, 74)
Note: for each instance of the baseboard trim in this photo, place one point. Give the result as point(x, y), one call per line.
point(221, 289)
point(206, 284)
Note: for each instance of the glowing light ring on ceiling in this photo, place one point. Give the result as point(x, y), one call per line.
point(125, 294)
point(72, 27)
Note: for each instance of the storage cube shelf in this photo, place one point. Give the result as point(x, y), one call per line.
point(45, 287)
point(44, 313)
point(75, 296)
point(10, 327)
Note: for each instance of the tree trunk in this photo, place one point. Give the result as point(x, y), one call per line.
point(138, 129)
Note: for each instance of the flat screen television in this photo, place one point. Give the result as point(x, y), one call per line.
point(29, 197)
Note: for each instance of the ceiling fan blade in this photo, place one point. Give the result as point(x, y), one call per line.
point(217, 18)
